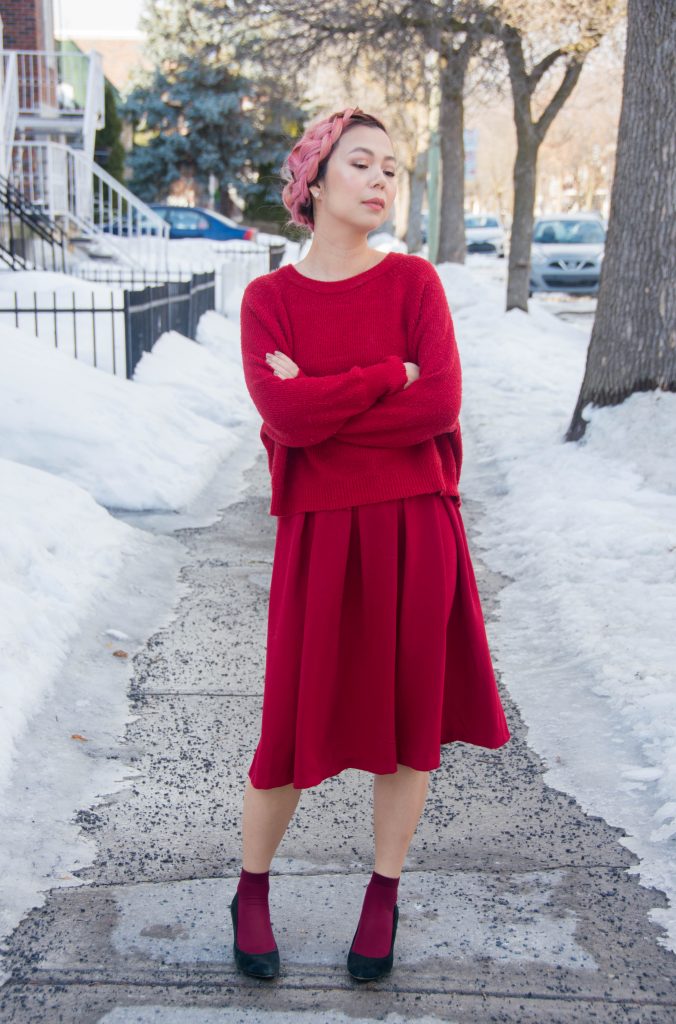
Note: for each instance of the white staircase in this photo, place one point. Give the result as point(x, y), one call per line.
point(51, 105)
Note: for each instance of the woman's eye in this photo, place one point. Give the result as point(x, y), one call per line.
point(390, 174)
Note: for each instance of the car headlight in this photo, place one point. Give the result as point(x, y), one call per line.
point(537, 255)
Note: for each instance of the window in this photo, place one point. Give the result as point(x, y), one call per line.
point(569, 232)
point(187, 220)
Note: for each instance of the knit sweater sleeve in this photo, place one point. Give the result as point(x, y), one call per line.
point(430, 405)
point(305, 410)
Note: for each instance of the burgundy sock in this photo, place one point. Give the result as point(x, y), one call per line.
point(374, 931)
point(254, 929)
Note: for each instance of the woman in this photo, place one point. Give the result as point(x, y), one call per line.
point(376, 650)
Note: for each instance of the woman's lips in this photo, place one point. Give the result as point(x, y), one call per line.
point(374, 204)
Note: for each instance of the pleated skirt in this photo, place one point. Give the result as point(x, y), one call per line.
point(377, 652)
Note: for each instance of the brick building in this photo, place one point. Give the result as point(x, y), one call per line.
point(27, 24)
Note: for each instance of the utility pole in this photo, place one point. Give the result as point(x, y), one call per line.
point(434, 168)
point(433, 192)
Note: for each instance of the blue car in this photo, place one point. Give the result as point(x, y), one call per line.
point(196, 222)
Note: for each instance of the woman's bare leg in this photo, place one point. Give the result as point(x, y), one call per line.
point(398, 802)
point(266, 814)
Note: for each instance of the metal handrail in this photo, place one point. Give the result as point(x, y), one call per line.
point(28, 239)
point(67, 184)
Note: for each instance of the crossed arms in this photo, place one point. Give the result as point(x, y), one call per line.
point(366, 406)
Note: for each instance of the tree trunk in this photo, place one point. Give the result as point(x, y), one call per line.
point(525, 173)
point(633, 341)
point(416, 192)
point(452, 150)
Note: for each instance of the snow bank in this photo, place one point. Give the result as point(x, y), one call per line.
point(27, 282)
point(58, 548)
point(73, 439)
point(205, 378)
point(130, 446)
point(585, 638)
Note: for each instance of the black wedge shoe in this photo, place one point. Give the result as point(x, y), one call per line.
point(368, 968)
point(258, 965)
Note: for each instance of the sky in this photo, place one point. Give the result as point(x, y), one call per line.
point(83, 17)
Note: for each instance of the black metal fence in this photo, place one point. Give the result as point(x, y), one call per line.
point(234, 264)
point(111, 332)
point(172, 306)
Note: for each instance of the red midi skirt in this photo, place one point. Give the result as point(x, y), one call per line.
point(376, 644)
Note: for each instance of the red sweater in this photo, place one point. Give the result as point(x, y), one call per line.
point(345, 431)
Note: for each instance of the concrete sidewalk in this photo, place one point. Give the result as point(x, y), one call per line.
point(514, 905)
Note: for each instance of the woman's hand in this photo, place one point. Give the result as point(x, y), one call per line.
point(412, 372)
point(281, 365)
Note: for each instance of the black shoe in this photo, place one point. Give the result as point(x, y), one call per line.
point(367, 968)
point(259, 965)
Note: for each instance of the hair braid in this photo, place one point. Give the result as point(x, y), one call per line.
point(303, 164)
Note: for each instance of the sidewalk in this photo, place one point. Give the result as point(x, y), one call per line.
point(514, 905)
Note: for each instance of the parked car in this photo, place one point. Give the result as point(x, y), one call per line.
point(484, 232)
point(196, 222)
point(567, 253)
point(128, 223)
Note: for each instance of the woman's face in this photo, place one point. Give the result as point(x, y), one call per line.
point(361, 168)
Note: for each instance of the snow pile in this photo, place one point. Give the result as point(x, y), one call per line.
point(72, 440)
point(585, 640)
point(26, 283)
point(205, 378)
point(131, 446)
point(71, 437)
point(58, 548)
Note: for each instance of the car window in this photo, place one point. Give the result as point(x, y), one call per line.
point(162, 212)
point(188, 220)
point(477, 221)
point(568, 232)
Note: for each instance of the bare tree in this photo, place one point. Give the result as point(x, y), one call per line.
point(389, 31)
point(525, 26)
point(633, 342)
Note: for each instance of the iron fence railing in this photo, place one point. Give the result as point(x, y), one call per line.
point(110, 330)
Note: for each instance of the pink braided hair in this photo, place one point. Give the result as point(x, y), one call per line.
point(301, 167)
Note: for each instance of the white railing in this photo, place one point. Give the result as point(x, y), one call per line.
point(9, 109)
point(52, 83)
point(71, 189)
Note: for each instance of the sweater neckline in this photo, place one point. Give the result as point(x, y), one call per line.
point(344, 283)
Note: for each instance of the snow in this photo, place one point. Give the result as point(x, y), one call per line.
point(97, 471)
point(26, 282)
point(205, 378)
point(130, 445)
point(586, 532)
point(77, 582)
point(51, 566)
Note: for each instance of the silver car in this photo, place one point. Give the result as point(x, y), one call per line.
point(567, 253)
point(484, 233)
